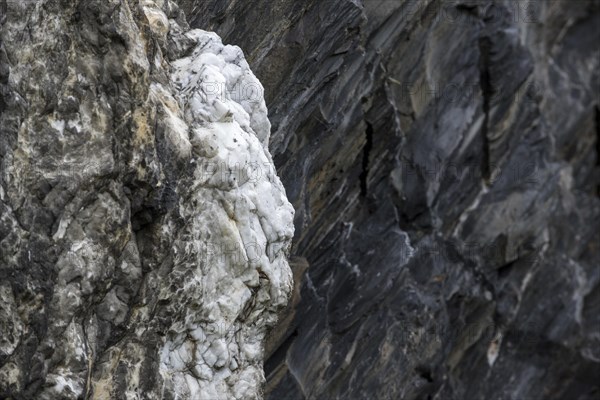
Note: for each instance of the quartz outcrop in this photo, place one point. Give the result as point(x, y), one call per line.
point(144, 232)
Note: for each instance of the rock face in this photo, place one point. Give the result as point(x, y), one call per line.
point(143, 230)
point(442, 158)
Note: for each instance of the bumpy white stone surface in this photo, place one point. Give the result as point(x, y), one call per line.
point(239, 226)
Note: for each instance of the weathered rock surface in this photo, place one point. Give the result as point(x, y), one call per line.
point(143, 230)
point(442, 158)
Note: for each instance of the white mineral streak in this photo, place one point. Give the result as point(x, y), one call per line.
point(239, 226)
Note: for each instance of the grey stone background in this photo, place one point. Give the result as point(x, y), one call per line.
point(442, 158)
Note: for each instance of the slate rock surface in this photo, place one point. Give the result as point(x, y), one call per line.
point(443, 161)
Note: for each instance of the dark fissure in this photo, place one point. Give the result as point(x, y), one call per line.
point(364, 175)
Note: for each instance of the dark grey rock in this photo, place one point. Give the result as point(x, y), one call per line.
point(442, 158)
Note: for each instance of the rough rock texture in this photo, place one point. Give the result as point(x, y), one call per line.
point(143, 230)
point(442, 158)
